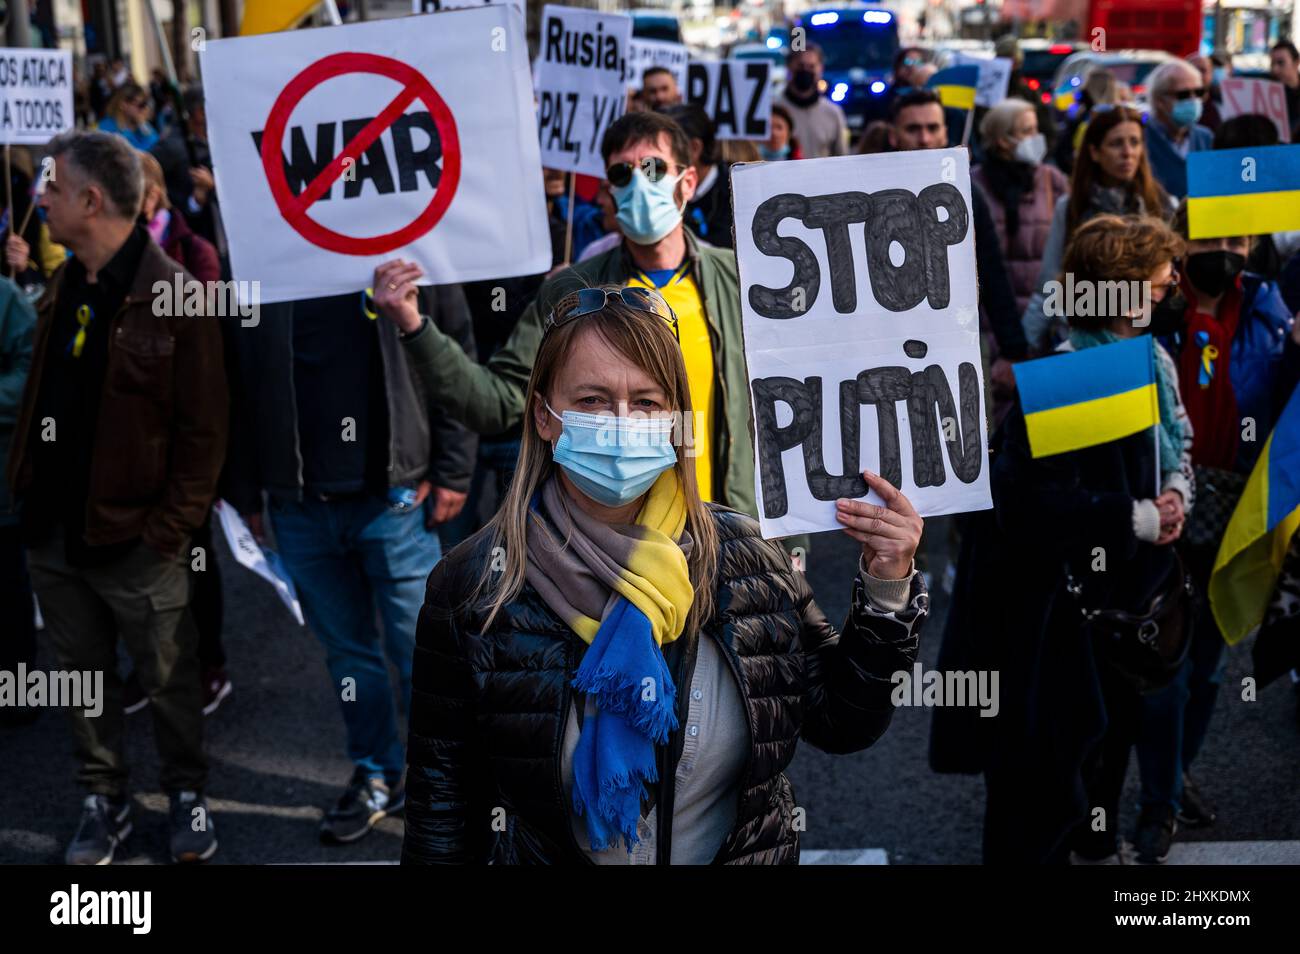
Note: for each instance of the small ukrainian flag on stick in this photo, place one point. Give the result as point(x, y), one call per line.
point(1250, 191)
point(1080, 399)
point(956, 85)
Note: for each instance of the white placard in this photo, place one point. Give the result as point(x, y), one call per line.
point(861, 320)
point(737, 95)
point(580, 86)
point(35, 95)
point(339, 148)
point(265, 563)
point(437, 6)
point(994, 80)
point(1265, 97)
point(644, 54)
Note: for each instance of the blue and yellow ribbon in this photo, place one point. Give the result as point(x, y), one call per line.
point(85, 315)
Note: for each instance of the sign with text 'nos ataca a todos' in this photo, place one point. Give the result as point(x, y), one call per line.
point(580, 85)
point(861, 320)
point(35, 95)
point(338, 148)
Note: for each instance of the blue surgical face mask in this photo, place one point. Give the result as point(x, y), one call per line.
point(613, 460)
point(772, 155)
point(647, 211)
point(1186, 112)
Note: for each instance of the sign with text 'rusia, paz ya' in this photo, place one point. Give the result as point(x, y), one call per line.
point(339, 148)
point(861, 318)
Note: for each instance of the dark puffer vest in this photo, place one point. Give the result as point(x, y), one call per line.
point(489, 709)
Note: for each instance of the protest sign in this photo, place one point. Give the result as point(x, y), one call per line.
point(994, 78)
point(1264, 97)
point(643, 54)
point(35, 95)
point(265, 563)
point(437, 6)
point(339, 148)
point(580, 85)
point(861, 321)
point(737, 95)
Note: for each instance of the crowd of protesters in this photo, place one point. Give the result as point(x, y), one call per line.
point(460, 553)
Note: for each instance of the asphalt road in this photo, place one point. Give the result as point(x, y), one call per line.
point(277, 746)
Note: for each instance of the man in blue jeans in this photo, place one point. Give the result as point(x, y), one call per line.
point(358, 471)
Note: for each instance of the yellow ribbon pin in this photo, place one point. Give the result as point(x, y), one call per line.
point(367, 297)
point(79, 341)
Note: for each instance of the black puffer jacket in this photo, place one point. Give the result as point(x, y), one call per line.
point(488, 711)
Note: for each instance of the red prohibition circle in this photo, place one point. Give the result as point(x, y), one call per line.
point(294, 208)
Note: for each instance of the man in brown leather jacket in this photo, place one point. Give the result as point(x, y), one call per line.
point(120, 439)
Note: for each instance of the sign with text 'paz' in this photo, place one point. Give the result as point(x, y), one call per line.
point(580, 85)
point(736, 95)
point(339, 148)
point(861, 320)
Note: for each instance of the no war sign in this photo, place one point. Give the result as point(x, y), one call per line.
point(580, 87)
point(341, 147)
point(861, 321)
point(737, 95)
point(35, 95)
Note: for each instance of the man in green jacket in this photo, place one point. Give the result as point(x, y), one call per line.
point(647, 157)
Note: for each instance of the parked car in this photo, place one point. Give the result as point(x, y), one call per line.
point(1129, 66)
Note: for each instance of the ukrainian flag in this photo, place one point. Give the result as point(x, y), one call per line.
point(1083, 398)
point(1260, 531)
point(271, 16)
point(1243, 191)
point(956, 85)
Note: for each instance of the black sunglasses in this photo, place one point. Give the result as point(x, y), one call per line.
point(620, 173)
point(592, 300)
point(1197, 93)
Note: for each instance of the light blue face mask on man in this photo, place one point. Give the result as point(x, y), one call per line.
point(1186, 112)
point(613, 460)
point(647, 211)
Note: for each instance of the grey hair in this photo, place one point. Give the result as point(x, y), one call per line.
point(1163, 75)
point(107, 160)
point(1001, 119)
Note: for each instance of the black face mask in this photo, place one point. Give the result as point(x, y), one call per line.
point(1168, 316)
point(803, 80)
point(1214, 272)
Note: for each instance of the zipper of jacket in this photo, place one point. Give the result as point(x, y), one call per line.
point(719, 465)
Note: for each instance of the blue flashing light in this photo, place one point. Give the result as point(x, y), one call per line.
point(824, 19)
point(839, 92)
point(774, 43)
point(877, 88)
point(877, 16)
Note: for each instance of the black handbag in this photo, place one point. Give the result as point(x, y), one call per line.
point(1217, 493)
point(1147, 647)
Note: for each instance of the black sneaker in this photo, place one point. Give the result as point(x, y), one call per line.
point(1195, 811)
point(105, 824)
point(1155, 833)
point(194, 836)
point(365, 803)
point(133, 695)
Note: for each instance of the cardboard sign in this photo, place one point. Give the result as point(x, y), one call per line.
point(737, 95)
point(861, 320)
point(340, 148)
point(580, 85)
point(995, 77)
point(437, 6)
point(265, 563)
point(35, 95)
point(643, 54)
point(1263, 97)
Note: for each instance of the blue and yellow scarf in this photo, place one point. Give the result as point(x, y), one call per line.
point(626, 591)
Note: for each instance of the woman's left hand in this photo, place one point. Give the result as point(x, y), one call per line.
point(889, 535)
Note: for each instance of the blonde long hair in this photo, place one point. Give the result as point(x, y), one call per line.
point(648, 342)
